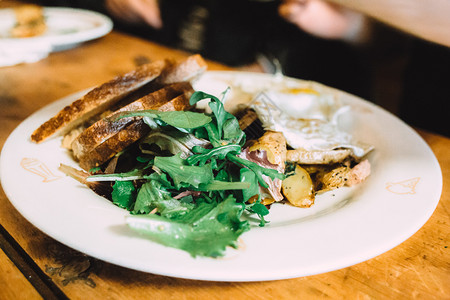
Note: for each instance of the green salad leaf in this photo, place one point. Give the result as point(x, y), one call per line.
point(224, 126)
point(217, 185)
point(206, 231)
point(189, 186)
point(179, 119)
point(205, 155)
point(153, 195)
point(257, 169)
point(181, 172)
point(123, 194)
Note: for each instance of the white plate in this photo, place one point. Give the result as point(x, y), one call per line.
point(343, 228)
point(67, 27)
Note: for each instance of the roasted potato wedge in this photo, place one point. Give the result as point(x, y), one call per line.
point(334, 179)
point(298, 188)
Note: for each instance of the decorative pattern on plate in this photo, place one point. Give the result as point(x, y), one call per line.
point(403, 187)
point(37, 167)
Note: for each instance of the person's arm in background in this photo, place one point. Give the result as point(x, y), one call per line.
point(428, 19)
point(326, 20)
point(135, 11)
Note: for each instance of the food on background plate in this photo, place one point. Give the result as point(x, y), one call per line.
point(187, 175)
point(30, 21)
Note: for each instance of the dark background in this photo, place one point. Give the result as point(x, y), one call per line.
point(408, 76)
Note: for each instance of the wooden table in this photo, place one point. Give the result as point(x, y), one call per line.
point(33, 265)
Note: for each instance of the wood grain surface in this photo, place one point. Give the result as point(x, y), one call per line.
point(13, 284)
point(419, 268)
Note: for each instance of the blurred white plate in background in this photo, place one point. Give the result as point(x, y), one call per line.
point(67, 27)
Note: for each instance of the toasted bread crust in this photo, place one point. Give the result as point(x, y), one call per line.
point(106, 95)
point(100, 142)
point(128, 135)
point(114, 145)
point(104, 128)
point(98, 100)
point(186, 70)
point(180, 102)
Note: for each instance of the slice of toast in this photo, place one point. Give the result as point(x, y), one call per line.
point(134, 131)
point(189, 69)
point(101, 130)
point(98, 100)
point(110, 93)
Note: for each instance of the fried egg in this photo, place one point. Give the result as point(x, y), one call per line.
point(308, 114)
point(308, 119)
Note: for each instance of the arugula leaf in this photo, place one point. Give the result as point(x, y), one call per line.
point(161, 178)
point(207, 154)
point(184, 119)
point(199, 95)
point(181, 172)
point(153, 195)
point(127, 176)
point(217, 185)
point(257, 169)
point(144, 159)
point(124, 194)
point(232, 131)
point(227, 126)
point(149, 193)
point(204, 205)
point(249, 177)
point(223, 175)
point(261, 210)
point(213, 135)
point(258, 208)
point(206, 231)
point(171, 141)
point(179, 119)
point(221, 115)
